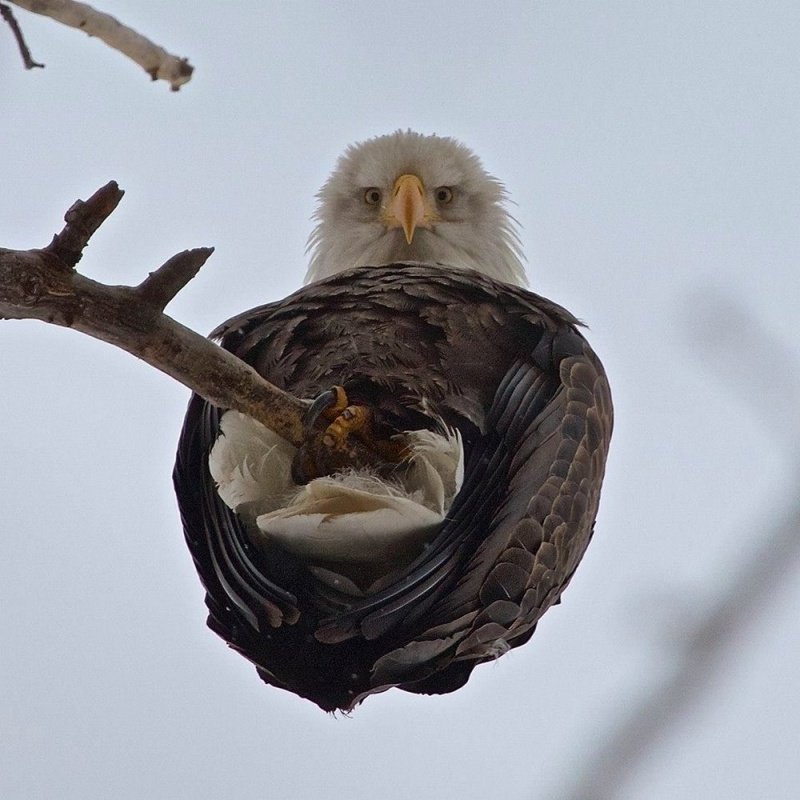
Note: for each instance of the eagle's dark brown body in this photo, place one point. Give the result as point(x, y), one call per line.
point(510, 370)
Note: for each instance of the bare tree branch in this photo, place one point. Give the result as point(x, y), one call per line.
point(154, 60)
point(41, 284)
point(8, 15)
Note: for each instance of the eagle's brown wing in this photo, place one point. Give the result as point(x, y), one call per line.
point(508, 369)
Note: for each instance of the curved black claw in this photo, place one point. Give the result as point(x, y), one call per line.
point(308, 461)
point(335, 397)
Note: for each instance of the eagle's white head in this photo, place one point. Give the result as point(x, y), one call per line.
point(409, 197)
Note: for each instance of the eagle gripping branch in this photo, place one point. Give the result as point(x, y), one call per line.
point(43, 284)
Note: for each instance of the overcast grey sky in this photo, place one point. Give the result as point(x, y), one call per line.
point(652, 151)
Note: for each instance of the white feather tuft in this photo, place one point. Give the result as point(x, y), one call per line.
point(351, 518)
point(250, 464)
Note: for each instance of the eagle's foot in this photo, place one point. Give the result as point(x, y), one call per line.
point(355, 438)
point(328, 405)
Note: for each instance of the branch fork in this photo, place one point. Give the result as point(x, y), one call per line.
point(43, 284)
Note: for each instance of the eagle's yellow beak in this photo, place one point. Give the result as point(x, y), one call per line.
point(407, 208)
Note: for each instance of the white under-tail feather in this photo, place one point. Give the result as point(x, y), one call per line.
point(350, 519)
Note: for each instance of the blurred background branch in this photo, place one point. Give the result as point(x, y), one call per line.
point(732, 343)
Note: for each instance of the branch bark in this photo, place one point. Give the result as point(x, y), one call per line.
point(154, 60)
point(42, 284)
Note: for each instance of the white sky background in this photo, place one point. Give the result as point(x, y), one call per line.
point(652, 151)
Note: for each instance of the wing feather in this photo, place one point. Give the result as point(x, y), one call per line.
point(541, 529)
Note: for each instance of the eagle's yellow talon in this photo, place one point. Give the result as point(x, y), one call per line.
point(353, 420)
point(340, 404)
point(331, 449)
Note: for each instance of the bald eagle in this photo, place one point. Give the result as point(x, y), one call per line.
point(491, 413)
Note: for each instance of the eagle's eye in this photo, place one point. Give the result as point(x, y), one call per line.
point(372, 196)
point(444, 194)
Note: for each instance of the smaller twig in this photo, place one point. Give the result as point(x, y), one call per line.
point(8, 15)
point(83, 218)
point(160, 286)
